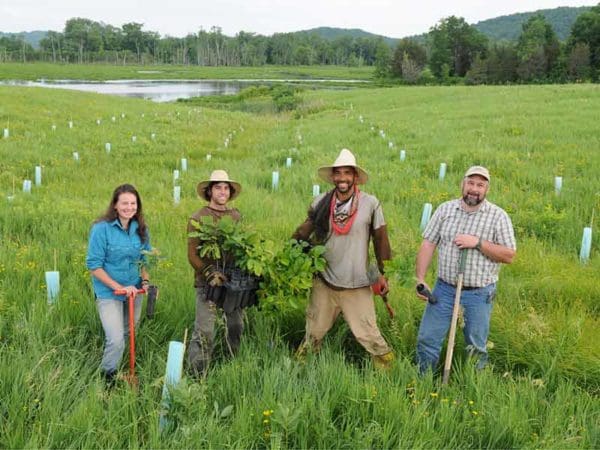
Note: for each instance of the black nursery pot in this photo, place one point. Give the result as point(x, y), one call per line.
point(152, 296)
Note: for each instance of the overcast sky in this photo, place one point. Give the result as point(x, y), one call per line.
point(393, 18)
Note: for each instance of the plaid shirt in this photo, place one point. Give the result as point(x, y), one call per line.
point(489, 222)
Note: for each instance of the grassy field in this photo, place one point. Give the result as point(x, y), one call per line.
point(100, 72)
point(541, 390)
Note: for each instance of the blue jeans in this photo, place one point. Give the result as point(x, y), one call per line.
point(114, 315)
point(477, 304)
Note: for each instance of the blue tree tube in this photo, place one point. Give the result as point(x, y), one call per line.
point(133, 138)
point(52, 285)
point(176, 194)
point(275, 181)
point(557, 184)
point(288, 162)
point(184, 164)
point(107, 147)
point(586, 245)
point(70, 124)
point(402, 155)
point(27, 186)
point(6, 133)
point(173, 373)
point(175, 175)
point(442, 171)
point(425, 216)
point(38, 175)
point(76, 156)
point(316, 190)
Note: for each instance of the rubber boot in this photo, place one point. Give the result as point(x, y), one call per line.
point(384, 362)
point(307, 346)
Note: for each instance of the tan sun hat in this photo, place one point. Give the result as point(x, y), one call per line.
point(478, 170)
point(344, 159)
point(218, 176)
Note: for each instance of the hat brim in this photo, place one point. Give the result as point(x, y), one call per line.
point(326, 174)
point(200, 189)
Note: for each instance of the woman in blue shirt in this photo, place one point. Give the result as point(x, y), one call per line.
point(116, 260)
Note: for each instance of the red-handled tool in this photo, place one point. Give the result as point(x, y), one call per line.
point(377, 288)
point(131, 378)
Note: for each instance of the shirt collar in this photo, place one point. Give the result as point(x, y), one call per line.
point(485, 205)
point(133, 224)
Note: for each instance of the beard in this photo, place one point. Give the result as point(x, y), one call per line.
point(348, 188)
point(473, 200)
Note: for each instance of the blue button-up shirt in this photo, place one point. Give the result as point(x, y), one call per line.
point(119, 253)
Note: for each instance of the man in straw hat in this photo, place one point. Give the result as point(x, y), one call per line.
point(217, 191)
point(345, 219)
point(468, 224)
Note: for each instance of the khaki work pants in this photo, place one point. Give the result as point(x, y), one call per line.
point(358, 309)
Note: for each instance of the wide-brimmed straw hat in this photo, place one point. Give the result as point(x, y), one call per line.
point(344, 159)
point(218, 176)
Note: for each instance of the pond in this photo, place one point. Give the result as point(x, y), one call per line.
point(162, 90)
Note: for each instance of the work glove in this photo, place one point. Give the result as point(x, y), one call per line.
point(214, 277)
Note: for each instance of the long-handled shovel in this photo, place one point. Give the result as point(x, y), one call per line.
point(131, 377)
point(452, 334)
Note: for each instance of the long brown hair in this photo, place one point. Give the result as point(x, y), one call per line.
point(111, 213)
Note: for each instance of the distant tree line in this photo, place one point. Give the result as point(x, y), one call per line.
point(87, 41)
point(453, 51)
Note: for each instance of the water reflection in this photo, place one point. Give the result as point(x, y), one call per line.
point(163, 90)
point(158, 91)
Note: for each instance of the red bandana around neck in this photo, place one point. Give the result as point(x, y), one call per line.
point(342, 223)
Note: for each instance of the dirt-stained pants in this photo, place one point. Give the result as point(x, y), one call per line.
point(203, 338)
point(358, 309)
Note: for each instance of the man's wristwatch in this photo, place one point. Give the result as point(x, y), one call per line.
point(478, 245)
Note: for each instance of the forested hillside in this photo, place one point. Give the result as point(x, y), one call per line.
point(509, 27)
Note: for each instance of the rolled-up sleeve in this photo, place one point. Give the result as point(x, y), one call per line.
point(505, 234)
point(96, 254)
point(432, 230)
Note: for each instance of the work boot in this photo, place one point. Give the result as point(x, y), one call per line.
point(199, 369)
point(383, 362)
point(110, 378)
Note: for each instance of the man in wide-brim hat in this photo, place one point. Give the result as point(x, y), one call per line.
point(345, 220)
point(218, 190)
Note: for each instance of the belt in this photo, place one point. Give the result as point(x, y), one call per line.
point(464, 288)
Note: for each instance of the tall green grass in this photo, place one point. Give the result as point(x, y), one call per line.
point(541, 390)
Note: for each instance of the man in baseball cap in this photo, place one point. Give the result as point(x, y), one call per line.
point(474, 225)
